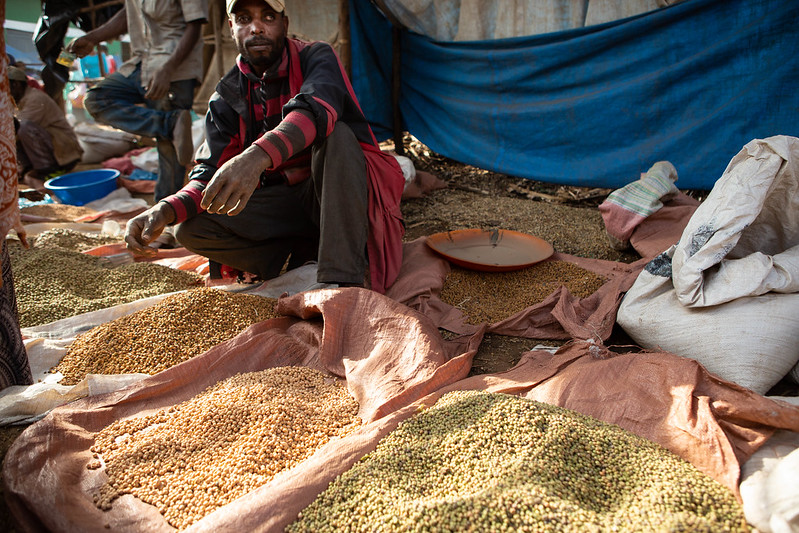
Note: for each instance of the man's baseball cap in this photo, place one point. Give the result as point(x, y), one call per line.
point(17, 74)
point(277, 5)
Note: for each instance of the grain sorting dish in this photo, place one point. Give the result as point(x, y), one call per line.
point(479, 461)
point(202, 454)
point(490, 297)
point(163, 335)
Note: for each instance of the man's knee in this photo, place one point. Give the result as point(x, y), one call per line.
point(342, 135)
point(93, 102)
point(187, 234)
point(342, 146)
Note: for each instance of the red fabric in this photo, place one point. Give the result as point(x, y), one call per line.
point(664, 227)
point(124, 163)
point(385, 180)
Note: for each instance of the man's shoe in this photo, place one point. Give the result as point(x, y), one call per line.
point(181, 138)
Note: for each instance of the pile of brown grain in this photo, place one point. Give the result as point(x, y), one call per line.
point(204, 453)
point(70, 239)
point(58, 212)
point(163, 335)
point(490, 297)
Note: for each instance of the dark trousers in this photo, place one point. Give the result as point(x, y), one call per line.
point(323, 218)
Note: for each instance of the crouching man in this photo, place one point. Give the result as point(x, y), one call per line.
point(290, 171)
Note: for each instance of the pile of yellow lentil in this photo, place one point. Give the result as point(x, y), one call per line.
point(53, 283)
point(204, 453)
point(490, 297)
point(160, 336)
point(478, 461)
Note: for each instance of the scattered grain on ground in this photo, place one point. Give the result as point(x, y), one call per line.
point(573, 230)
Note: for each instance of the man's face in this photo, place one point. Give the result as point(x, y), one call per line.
point(17, 89)
point(259, 33)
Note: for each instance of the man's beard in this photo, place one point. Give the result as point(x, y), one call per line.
point(261, 61)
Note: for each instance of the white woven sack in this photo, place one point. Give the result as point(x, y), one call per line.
point(726, 294)
point(743, 240)
point(769, 487)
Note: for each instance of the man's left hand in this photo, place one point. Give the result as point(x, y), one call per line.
point(158, 86)
point(232, 185)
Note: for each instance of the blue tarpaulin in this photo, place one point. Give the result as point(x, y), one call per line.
point(595, 106)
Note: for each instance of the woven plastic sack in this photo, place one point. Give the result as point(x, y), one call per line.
point(768, 486)
point(726, 294)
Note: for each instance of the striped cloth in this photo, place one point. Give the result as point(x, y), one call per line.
point(624, 209)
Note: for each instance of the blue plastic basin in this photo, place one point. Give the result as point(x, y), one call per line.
point(79, 188)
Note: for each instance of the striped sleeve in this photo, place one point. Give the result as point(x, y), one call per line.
point(186, 202)
point(295, 132)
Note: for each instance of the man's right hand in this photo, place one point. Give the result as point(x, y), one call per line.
point(81, 46)
point(144, 228)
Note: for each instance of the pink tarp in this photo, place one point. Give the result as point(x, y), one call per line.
point(394, 359)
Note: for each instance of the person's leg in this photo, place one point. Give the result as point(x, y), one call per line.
point(171, 174)
point(338, 201)
point(115, 101)
point(257, 240)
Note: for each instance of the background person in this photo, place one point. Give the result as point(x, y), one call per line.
point(165, 67)
point(46, 143)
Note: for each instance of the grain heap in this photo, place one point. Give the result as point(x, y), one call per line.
point(70, 239)
point(160, 336)
point(478, 461)
point(58, 212)
point(204, 453)
point(52, 284)
point(491, 297)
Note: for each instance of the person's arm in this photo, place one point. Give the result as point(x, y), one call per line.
point(222, 142)
point(233, 184)
point(113, 28)
point(158, 85)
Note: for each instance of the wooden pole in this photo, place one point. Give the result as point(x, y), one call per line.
point(396, 83)
point(219, 27)
point(345, 48)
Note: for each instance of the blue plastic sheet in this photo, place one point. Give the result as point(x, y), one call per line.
point(595, 106)
point(24, 202)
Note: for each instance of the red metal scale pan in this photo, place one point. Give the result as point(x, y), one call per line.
point(494, 250)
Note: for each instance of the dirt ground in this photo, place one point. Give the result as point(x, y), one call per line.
point(475, 198)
